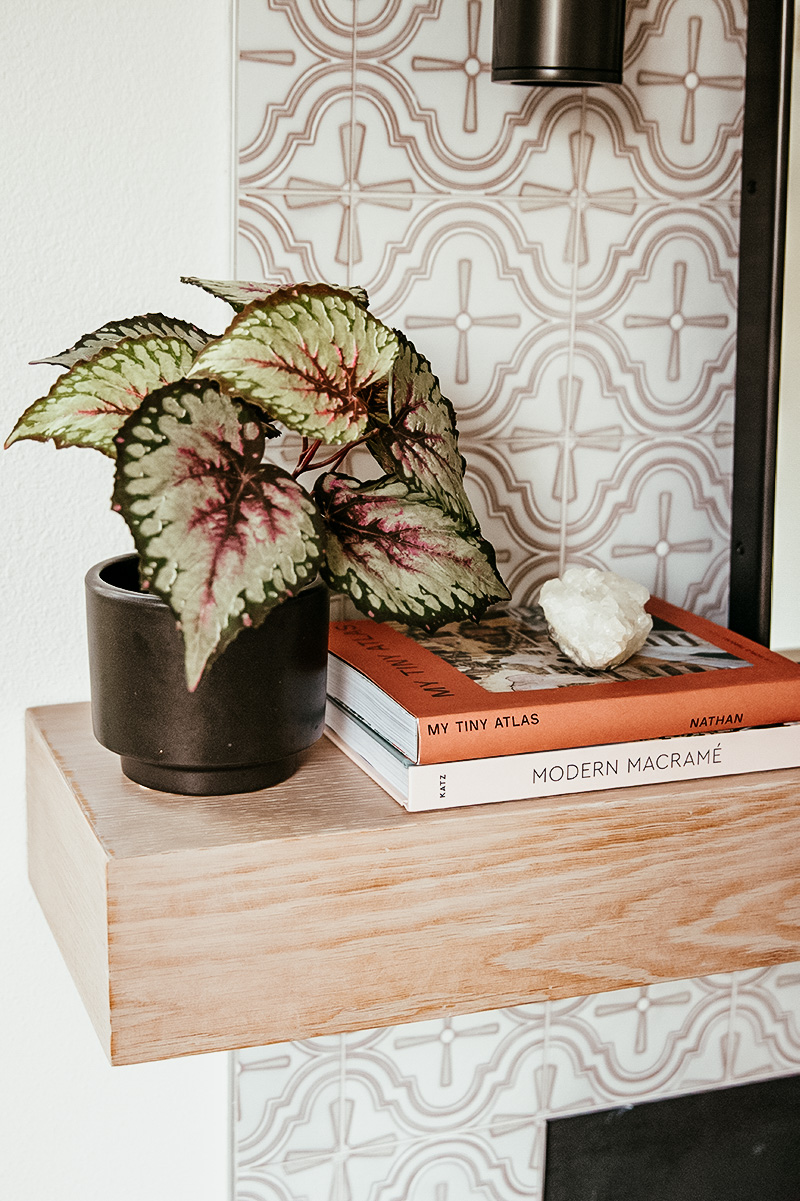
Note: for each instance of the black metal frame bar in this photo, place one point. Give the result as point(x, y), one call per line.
point(765, 155)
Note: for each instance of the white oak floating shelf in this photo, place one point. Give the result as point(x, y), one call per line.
point(321, 906)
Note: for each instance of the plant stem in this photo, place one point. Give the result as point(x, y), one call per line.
point(306, 461)
point(307, 452)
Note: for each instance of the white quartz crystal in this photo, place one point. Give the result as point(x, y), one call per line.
point(596, 617)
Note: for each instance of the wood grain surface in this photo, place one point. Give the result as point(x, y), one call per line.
point(321, 905)
point(67, 868)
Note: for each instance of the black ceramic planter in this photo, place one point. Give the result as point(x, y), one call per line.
point(254, 713)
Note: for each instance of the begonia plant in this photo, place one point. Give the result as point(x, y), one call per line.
point(223, 534)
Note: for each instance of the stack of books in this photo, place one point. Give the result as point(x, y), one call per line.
point(493, 711)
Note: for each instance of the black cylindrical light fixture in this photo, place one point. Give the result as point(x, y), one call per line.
point(578, 42)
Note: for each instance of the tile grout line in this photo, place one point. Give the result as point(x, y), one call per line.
point(570, 399)
point(543, 1115)
point(480, 196)
point(233, 1143)
point(338, 1167)
point(233, 150)
point(729, 1073)
point(351, 216)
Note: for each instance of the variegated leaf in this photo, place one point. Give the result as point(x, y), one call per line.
point(420, 443)
point(240, 293)
point(313, 359)
point(87, 405)
point(222, 537)
point(118, 331)
point(398, 556)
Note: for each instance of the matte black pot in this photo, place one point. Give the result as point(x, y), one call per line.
point(254, 713)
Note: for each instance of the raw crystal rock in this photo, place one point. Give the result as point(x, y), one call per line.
point(596, 617)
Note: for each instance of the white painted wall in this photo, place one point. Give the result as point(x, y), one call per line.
point(115, 159)
point(786, 558)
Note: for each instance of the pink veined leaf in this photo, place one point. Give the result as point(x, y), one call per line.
point(400, 557)
point(88, 404)
point(240, 293)
point(419, 444)
point(311, 357)
point(114, 332)
point(221, 536)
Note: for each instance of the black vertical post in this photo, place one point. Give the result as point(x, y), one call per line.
point(761, 258)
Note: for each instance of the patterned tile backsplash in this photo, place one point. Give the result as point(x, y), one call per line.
point(566, 258)
point(456, 1109)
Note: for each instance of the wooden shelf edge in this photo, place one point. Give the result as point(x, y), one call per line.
point(240, 934)
point(67, 870)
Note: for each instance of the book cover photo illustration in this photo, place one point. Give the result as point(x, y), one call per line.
point(512, 651)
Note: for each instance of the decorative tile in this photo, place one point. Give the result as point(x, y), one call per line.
point(281, 56)
point(295, 63)
point(385, 27)
point(679, 110)
point(457, 1108)
point(638, 1042)
point(503, 468)
point(566, 258)
point(309, 149)
point(457, 129)
point(768, 1003)
point(639, 1026)
point(465, 284)
point(637, 1045)
point(523, 559)
point(565, 429)
point(439, 1074)
point(261, 1078)
point(265, 245)
point(516, 1123)
point(273, 1182)
point(670, 491)
point(667, 306)
point(296, 236)
point(566, 1083)
point(708, 595)
point(464, 1168)
point(299, 1122)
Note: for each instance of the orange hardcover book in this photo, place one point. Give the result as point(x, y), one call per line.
point(501, 686)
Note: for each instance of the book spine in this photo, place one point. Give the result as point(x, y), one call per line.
point(451, 717)
point(589, 769)
point(528, 724)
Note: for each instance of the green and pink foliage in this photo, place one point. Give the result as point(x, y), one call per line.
point(87, 405)
point(222, 537)
point(399, 556)
point(222, 534)
point(240, 293)
point(315, 360)
point(419, 442)
point(119, 331)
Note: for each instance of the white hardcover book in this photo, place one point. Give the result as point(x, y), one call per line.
point(551, 773)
